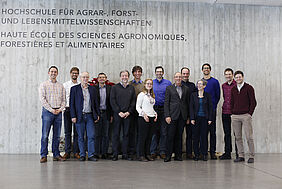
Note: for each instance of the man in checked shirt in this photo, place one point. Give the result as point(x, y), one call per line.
point(53, 99)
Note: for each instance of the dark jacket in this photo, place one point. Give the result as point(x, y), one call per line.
point(123, 99)
point(109, 110)
point(244, 101)
point(173, 105)
point(76, 102)
point(194, 106)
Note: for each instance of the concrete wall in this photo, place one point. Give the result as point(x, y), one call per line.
point(242, 37)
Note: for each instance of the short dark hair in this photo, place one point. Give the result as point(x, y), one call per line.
point(184, 69)
point(53, 67)
point(206, 64)
point(239, 72)
point(136, 68)
point(123, 72)
point(158, 68)
point(102, 73)
point(228, 70)
point(74, 69)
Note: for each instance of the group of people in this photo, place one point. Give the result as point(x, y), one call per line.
point(152, 115)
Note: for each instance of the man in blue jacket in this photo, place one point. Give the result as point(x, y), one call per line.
point(213, 88)
point(84, 109)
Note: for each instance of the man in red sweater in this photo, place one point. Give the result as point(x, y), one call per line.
point(243, 103)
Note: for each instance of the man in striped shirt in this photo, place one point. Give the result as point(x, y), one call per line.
point(53, 99)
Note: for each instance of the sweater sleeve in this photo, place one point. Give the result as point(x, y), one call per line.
point(133, 101)
point(232, 100)
point(252, 98)
point(166, 103)
point(113, 101)
point(192, 106)
point(217, 92)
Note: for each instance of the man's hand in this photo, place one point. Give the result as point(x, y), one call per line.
point(111, 119)
point(56, 111)
point(121, 114)
point(126, 114)
point(209, 122)
point(97, 120)
point(193, 122)
point(146, 118)
point(73, 120)
point(168, 120)
point(188, 121)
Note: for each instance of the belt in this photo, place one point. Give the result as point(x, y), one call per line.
point(86, 113)
point(103, 111)
point(55, 108)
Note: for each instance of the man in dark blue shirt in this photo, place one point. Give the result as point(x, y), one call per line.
point(185, 72)
point(213, 88)
point(160, 136)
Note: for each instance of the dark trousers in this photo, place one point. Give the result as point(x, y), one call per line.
point(188, 128)
point(124, 124)
point(174, 132)
point(200, 136)
point(226, 121)
point(69, 127)
point(212, 131)
point(159, 137)
point(102, 135)
point(146, 130)
point(133, 133)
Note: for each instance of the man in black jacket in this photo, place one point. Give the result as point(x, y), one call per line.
point(106, 117)
point(176, 111)
point(123, 105)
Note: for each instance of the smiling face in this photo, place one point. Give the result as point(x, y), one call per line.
point(149, 84)
point(200, 85)
point(159, 73)
point(84, 78)
point(239, 79)
point(124, 77)
point(74, 75)
point(206, 70)
point(185, 74)
point(228, 76)
point(102, 79)
point(137, 74)
point(53, 73)
point(177, 78)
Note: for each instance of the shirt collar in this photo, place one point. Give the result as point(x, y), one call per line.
point(139, 82)
point(82, 86)
point(101, 87)
point(240, 86)
point(123, 85)
point(52, 81)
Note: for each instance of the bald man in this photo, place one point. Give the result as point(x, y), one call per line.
point(85, 112)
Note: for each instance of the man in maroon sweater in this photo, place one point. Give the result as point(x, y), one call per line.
point(243, 103)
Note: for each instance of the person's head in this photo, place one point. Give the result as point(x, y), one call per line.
point(84, 78)
point(228, 74)
point(201, 84)
point(239, 77)
point(137, 72)
point(74, 72)
point(124, 76)
point(206, 69)
point(177, 78)
point(53, 72)
point(159, 71)
point(102, 78)
point(185, 72)
point(148, 87)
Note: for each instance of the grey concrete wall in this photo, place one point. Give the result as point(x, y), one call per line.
point(242, 37)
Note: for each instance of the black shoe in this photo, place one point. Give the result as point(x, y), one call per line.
point(149, 158)
point(115, 158)
point(189, 156)
point(82, 158)
point(167, 159)
point(104, 156)
point(143, 159)
point(196, 158)
point(205, 158)
point(225, 156)
point(177, 158)
point(239, 159)
point(93, 158)
point(251, 160)
point(213, 156)
point(96, 156)
point(130, 158)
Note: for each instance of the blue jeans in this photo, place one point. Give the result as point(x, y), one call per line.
point(87, 123)
point(49, 119)
point(102, 135)
point(69, 127)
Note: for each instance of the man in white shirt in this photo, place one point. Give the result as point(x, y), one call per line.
point(74, 72)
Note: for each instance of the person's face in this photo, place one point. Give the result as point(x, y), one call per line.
point(185, 74)
point(74, 75)
point(239, 78)
point(84, 78)
point(53, 73)
point(102, 79)
point(149, 85)
point(124, 77)
point(159, 73)
point(137, 74)
point(200, 85)
point(228, 76)
point(177, 78)
point(206, 70)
